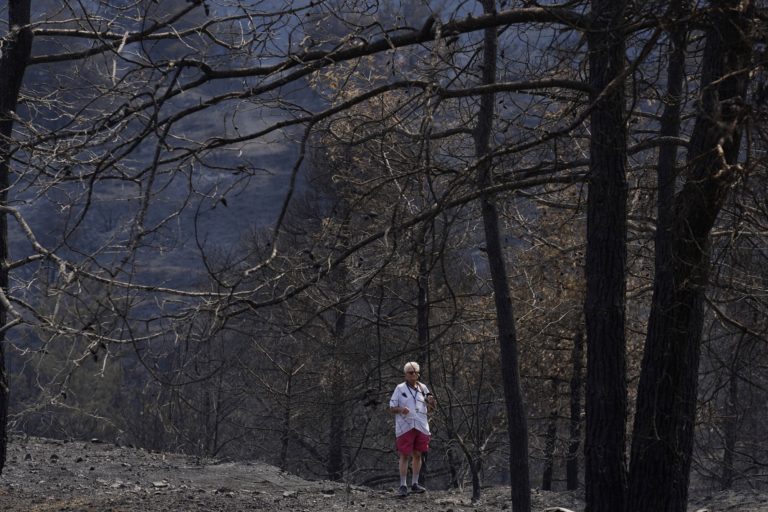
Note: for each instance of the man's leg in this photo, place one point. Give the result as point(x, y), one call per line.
point(416, 465)
point(403, 468)
point(418, 460)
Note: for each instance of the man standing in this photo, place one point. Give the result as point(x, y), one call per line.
point(410, 402)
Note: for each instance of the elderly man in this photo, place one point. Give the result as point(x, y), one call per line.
point(410, 402)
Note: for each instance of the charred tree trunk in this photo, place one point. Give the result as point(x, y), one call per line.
point(422, 306)
point(17, 46)
point(422, 327)
point(606, 388)
point(572, 462)
point(337, 423)
point(730, 427)
point(549, 447)
point(287, 414)
point(516, 419)
point(335, 464)
point(666, 403)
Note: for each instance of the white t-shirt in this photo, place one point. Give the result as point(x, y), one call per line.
point(416, 402)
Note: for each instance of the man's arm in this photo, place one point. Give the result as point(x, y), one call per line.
point(431, 401)
point(394, 407)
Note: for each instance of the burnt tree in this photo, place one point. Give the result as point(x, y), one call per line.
point(663, 434)
point(17, 47)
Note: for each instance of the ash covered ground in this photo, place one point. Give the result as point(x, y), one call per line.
point(52, 475)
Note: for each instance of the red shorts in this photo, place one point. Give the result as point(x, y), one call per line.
point(412, 440)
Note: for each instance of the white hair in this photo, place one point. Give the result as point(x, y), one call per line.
point(413, 365)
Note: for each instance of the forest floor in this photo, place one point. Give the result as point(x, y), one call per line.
point(44, 475)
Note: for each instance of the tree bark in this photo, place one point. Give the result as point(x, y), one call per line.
point(606, 388)
point(337, 418)
point(517, 426)
point(549, 447)
point(730, 426)
point(666, 404)
point(17, 47)
point(572, 462)
point(287, 414)
point(422, 327)
point(422, 307)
